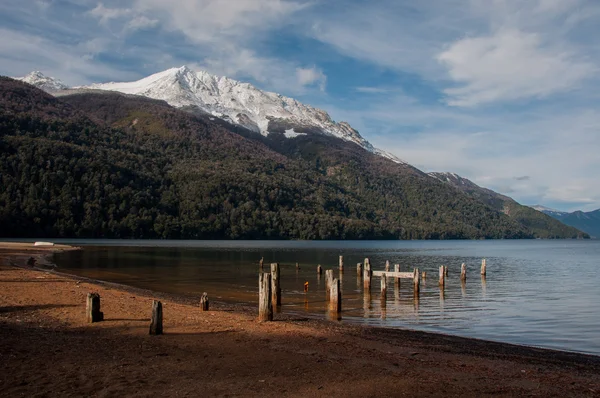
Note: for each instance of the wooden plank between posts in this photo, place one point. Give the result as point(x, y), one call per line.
point(404, 275)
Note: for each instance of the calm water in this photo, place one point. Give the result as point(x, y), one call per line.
point(539, 293)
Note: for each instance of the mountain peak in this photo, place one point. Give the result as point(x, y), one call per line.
point(41, 81)
point(235, 102)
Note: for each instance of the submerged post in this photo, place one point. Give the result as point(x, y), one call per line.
point(156, 321)
point(445, 270)
point(335, 297)
point(424, 275)
point(387, 265)
point(383, 287)
point(367, 273)
point(396, 280)
point(359, 270)
point(442, 279)
point(416, 282)
point(319, 269)
point(265, 305)
point(92, 308)
point(204, 302)
point(328, 282)
point(483, 267)
point(463, 272)
point(341, 263)
point(261, 262)
point(276, 287)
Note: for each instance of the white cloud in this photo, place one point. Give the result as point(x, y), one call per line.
point(208, 21)
point(510, 65)
point(141, 22)
point(311, 76)
point(106, 14)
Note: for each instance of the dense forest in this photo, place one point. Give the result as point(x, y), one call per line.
point(115, 166)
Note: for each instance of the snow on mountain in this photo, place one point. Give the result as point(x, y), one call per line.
point(238, 103)
point(547, 210)
point(43, 82)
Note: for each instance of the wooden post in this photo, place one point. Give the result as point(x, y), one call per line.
point(463, 272)
point(92, 308)
point(297, 266)
point(396, 280)
point(335, 298)
point(276, 287)
point(387, 265)
point(328, 282)
point(445, 270)
point(359, 270)
point(383, 287)
point(424, 275)
point(442, 279)
point(265, 305)
point(367, 263)
point(483, 266)
point(367, 273)
point(416, 282)
point(204, 302)
point(260, 263)
point(341, 263)
point(156, 322)
point(319, 270)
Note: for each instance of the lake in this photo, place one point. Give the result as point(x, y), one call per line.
point(537, 292)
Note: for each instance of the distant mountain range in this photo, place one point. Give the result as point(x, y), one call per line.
point(542, 225)
point(584, 221)
point(183, 154)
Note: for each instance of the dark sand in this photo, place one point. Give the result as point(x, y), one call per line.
point(47, 349)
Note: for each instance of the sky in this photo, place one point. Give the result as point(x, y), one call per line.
point(503, 92)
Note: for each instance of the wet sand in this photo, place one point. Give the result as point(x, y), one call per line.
point(47, 349)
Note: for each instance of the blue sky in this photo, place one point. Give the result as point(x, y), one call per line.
point(503, 92)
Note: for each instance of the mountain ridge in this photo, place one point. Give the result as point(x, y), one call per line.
point(236, 102)
point(585, 221)
point(543, 225)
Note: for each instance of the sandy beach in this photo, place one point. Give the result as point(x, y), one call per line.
point(47, 349)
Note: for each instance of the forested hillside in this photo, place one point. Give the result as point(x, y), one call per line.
point(540, 224)
point(112, 166)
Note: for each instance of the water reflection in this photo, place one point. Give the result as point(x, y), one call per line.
point(522, 294)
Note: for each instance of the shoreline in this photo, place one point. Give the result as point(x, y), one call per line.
point(403, 353)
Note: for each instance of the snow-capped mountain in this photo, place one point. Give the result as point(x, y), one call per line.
point(547, 210)
point(233, 101)
point(43, 82)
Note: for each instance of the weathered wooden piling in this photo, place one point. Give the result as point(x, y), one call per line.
point(156, 321)
point(265, 304)
point(92, 308)
point(204, 302)
point(319, 270)
point(483, 267)
point(275, 285)
point(387, 265)
point(335, 297)
point(341, 263)
point(463, 272)
point(384, 287)
point(446, 271)
point(328, 282)
point(359, 270)
point(442, 278)
point(261, 262)
point(424, 275)
point(416, 282)
point(396, 280)
point(367, 274)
